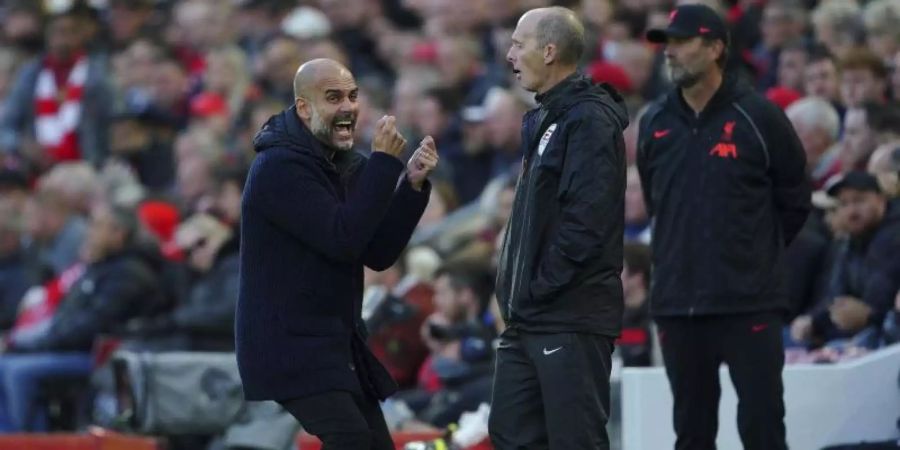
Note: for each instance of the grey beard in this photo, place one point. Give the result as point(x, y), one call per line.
point(686, 80)
point(320, 129)
point(324, 132)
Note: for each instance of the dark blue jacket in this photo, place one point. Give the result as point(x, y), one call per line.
point(866, 267)
point(308, 227)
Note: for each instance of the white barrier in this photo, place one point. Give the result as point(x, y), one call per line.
point(825, 404)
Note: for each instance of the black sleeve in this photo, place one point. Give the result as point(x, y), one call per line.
point(296, 200)
point(644, 159)
point(883, 278)
point(397, 226)
point(787, 169)
point(113, 301)
point(213, 315)
point(592, 187)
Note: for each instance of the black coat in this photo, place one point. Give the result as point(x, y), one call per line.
point(207, 317)
point(562, 254)
point(726, 191)
point(868, 268)
point(308, 227)
point(13, 284)
point(111, 291)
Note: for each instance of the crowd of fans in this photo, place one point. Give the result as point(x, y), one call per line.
point(126, 129)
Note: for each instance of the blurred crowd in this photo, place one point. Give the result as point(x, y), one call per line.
point(126, 129)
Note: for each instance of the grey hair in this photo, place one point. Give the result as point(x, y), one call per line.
point(816, 112)
point(560, 26)
point(126, 219)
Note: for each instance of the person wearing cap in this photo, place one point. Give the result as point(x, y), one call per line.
point(558, 285)
point(723, 176)
point(864, 276)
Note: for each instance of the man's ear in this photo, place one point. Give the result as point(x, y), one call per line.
point(303, 108)
point(550, 54)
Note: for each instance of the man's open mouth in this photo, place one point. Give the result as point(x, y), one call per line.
point(344, 127)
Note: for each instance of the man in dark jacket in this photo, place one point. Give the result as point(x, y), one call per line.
point(863, 279)
point(724, 199)
point(314, 213)
point(558, 284)
point(204, 320)
point(118, 284)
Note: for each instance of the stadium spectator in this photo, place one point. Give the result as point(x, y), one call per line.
point(205, 321)
point(838, 26)
point(456, 376)
point(863, 78)
point(818, 126)
point(119, 283)
point(821, 77)
point(862, 282)
point(859, 140)
point(60, 104)
point(882, 22)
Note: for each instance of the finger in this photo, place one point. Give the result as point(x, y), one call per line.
point(379, 126)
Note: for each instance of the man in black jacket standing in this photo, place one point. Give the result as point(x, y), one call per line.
point(723, 177)
point(314, 212)
point(558, 285)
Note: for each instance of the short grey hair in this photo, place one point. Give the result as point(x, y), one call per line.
point(816, 112)
point(560, 26)
point(126, 219)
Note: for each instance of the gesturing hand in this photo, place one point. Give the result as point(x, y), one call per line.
point(387, 139)
point(422, 163)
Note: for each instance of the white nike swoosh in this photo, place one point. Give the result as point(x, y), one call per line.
point(550, 352)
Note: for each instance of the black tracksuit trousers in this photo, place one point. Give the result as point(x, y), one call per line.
point(751, 346)
point(551, 391)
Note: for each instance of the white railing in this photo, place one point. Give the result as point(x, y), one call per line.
point(825, 405)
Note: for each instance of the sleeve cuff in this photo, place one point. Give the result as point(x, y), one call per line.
point(405, 189)
point(382, 161)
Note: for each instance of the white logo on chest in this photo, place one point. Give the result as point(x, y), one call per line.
point(545, 139)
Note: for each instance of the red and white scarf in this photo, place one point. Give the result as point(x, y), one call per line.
point(58, 111)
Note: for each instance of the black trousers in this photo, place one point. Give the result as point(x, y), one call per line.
point(342, 421)
point(751, 345)
point(551, 391)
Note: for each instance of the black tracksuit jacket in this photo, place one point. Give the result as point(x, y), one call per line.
point(726, 191)
point(562, 253)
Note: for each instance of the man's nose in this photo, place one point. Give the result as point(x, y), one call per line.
point(348, 105)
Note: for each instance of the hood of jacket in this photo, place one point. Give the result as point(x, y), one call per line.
point(579, 88)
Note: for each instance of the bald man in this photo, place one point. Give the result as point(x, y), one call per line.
point(314, 212)
point(558, 283)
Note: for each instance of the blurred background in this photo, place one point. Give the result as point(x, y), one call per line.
point(126, 131)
